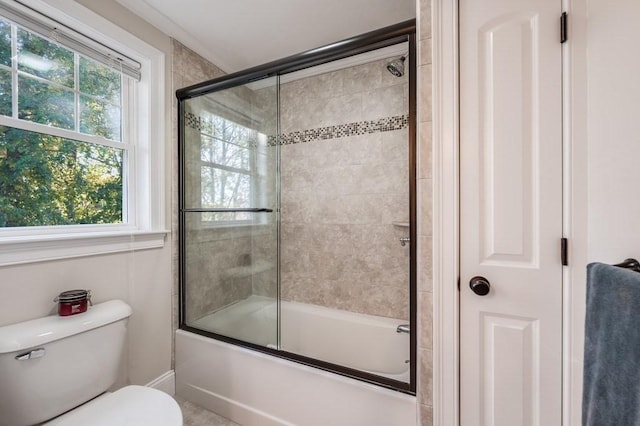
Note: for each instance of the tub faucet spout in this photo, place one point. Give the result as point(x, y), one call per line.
point(403, 328)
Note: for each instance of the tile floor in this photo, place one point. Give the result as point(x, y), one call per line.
point(194, 415)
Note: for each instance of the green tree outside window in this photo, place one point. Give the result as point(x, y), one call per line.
point(48, 180)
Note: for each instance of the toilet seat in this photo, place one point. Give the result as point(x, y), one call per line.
point(129, 406)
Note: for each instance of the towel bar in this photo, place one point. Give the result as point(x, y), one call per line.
point(632, 264)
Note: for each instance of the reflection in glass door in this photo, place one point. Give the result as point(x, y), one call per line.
point(229, 160)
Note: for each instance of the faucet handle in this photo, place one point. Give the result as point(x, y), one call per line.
point(403, 328)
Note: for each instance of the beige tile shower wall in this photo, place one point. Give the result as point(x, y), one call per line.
point(425, 206)
point(363, 92)
point(218, 267)
point(340, 197)
point(265, 235)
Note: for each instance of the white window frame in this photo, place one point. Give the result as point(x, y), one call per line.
point(146, 208)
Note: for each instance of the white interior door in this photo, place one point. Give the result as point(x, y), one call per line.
point(511, 212)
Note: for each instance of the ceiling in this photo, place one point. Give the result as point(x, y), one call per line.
point(238, 34)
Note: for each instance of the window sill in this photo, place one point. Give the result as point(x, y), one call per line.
point(41, 248)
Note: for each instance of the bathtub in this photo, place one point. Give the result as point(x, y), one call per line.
point(253, 388)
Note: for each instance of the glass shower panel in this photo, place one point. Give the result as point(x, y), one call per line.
point(345, 257)
point(229, 212)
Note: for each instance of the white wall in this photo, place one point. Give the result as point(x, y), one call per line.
point(605, 146)
point(613, 130)
point(143, 279)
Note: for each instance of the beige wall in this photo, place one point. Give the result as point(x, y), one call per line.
point(342, 193)
point(142, 279)
point(425, 280)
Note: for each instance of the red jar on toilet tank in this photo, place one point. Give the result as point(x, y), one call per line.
point(73, 302)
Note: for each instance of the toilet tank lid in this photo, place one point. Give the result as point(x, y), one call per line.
point(40, 331)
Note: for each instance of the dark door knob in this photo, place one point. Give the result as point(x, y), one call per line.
point(480, 286)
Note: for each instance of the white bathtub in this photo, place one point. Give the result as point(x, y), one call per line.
point(252, 388)
point(363, 342)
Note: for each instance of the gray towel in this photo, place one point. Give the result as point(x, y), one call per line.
point(611, 393)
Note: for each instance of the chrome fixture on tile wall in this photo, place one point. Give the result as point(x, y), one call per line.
point(396, 66)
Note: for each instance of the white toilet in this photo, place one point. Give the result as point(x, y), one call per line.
point(55, 365)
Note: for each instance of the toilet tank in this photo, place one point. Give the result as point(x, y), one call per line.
point(50, 365)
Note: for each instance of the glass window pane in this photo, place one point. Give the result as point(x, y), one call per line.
point(44, 59)
point(45, 103)
point(5, 43)
point(227, 154)
point(5, 92)
point(47, 180)
point(225, 189)
point(99, 81)
point(100, 118)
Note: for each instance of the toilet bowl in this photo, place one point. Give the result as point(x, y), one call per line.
point(128, 406)
point(57, 370)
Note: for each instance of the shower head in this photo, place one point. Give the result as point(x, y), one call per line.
point(396, 66)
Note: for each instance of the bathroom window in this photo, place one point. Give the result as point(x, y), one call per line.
point(63, 151)
point(228, 169)
point(81, 150)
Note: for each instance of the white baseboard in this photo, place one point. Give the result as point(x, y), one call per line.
point(166, 383)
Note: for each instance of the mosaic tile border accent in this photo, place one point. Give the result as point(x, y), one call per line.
point(193, 121)
point(206, 128)
point(357, 128)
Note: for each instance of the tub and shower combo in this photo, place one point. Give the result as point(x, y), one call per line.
point(297, 237)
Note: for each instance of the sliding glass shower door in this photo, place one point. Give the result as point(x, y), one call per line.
point(229, 209)
point(298, 209)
